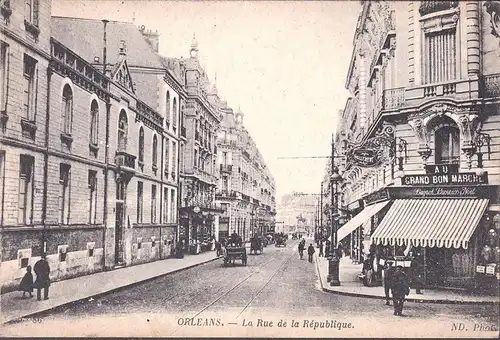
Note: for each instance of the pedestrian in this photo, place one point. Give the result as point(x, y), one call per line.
point(218, 248)
point(42, 271)
point(301, 250)
point(321, 249)
point(310, 252)
point(400, 288)
point(26, 285)
point(387, 275)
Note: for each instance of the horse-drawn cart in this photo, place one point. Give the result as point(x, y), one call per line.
point(235, 250)
point(280, 240)
point(256, 244)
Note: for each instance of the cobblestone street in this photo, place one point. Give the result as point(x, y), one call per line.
point(235, 298)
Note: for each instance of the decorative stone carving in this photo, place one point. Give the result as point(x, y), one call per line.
point(493, 9)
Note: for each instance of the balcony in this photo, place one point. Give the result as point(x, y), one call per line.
point(490, 85)
point(228, 168)
point(226, 194)
point(428, 7)
point(463, 89)
point(125, 161)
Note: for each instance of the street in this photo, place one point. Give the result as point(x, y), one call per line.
point(276, 286)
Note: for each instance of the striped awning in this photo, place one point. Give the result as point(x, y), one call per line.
point(430, 222)
point(359, 219)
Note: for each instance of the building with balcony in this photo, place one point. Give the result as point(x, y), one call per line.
point(246, 189)
point(81, 159)
point(200, 117)
point(420, 140)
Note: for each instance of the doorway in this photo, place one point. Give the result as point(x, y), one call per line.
point(119, 247)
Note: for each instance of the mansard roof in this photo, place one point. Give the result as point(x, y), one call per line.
point(85, 37)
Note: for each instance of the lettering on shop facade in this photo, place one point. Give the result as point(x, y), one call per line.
point(446, 179)
point(377, 196)
point(486, 191)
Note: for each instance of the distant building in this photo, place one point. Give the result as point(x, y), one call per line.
point(246, 187)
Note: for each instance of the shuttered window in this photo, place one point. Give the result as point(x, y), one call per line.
point(440, 56)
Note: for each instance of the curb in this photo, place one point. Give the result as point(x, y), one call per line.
point(117, 289)
point(368, 296)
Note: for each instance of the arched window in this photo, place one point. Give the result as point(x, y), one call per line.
point(174, 113)
point(67, 108)
point(141, 145)
point(447, 145)
point(155, 152)
point(94, 115)
point(122, 131)
point(167, 108)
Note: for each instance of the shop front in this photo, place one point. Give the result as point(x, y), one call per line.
point(197, 228)
point(439, 233)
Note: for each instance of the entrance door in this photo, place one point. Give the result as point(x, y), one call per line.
point(434, 266)
point(119, 247)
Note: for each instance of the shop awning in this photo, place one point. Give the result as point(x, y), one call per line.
point(359, 219)
point(430, 222)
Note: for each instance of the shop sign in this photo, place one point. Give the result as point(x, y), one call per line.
point(441, 168)
point(372, 152)
point(446, 179)
point(354, 205)
point(480, 269)
point(486, 191)
point(377, 196)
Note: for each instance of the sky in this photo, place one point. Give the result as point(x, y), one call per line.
point(284, 63)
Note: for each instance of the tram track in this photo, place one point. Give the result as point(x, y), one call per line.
point(241, 282)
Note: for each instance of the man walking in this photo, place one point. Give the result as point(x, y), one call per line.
point(321, 249)
point(310, 252)
point(400, 288)
point(387, 273)
point(301, 250)
point(42, 271)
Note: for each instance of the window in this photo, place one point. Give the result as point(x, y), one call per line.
point(3, 75)
point(165, 205)
point(94, 115)
point(172, 208)
point(440, 56)
point(174, 160)
point(167, 158)
point(155, 153)
point(67, 109)
point(181, 157)
point(64, 192)
point(25, 213)
point(141, 146)
point(31, 14)
point(195, 158)
point(447, 143)
point(29, 87)
point(174, 113)
point(139, 201)
point(153, 204)
point(122, 131)
point(92, 196)
point(167, 108)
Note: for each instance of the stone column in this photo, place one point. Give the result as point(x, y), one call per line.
point(473, 38)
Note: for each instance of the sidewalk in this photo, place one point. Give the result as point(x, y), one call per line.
point(352, 286)
point(13, 307)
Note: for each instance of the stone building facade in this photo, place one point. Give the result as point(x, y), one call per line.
point(421, 143)
point(246, 187)
point(81, 162)
point(201, 117)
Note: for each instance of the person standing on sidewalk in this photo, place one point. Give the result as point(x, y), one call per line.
point(321, 249)
point(310, 252)
point(42, 271)
point(301, 250)
point(387, 275)
point(400, 288)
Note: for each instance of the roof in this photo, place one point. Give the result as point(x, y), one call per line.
point(85, 37)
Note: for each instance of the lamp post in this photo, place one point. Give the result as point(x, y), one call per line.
point(333, 257)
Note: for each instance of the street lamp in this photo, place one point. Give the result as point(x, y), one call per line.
point(333, 257)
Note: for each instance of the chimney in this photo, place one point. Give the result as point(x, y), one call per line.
point(153, 38)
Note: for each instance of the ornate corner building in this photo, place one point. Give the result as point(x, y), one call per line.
point(420, 137)
point(246, 187)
